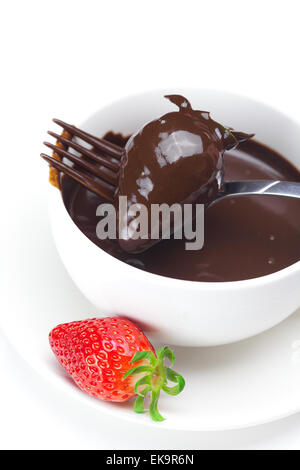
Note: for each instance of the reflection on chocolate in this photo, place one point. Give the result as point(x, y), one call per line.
point(245, 237)
point(177, 158)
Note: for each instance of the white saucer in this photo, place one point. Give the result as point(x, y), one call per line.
point(234, 386)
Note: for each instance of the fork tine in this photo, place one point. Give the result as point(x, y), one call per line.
point(106, 161)
point(107, 147)
point(102, 189)
point(103, 173)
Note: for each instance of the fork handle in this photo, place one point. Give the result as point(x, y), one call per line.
point(257, 187)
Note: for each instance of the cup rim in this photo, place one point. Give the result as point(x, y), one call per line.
point(153, 277)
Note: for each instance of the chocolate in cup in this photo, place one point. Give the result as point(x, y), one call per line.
point(177, 158)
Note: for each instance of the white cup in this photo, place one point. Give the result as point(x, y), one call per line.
point(175, 311)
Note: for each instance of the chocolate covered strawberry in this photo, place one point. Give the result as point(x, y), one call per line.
point(175, 159)
point(111, 359)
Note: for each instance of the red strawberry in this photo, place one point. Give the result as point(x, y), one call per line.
point(98, 354)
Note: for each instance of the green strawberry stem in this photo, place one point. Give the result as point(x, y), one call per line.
point(155, 379)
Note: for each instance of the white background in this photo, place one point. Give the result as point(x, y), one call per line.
point(66, 59)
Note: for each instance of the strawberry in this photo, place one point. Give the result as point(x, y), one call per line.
point(99, 353)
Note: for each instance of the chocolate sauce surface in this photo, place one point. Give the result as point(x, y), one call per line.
point(245, 237)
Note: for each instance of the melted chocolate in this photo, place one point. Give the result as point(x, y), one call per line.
point(177, 158)
point(245, 237)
